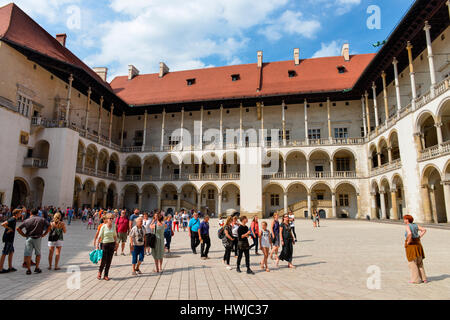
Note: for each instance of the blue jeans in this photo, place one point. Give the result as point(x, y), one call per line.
point(138, 251)
point(70, 219)
point(168, 237)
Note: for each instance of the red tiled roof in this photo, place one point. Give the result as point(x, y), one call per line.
point(313, 75)
point(17, 27)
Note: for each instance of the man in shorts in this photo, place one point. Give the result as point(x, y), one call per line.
point(36, 228)
point(8, 240)
point(123, 227)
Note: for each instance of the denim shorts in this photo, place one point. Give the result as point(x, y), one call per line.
point(138, 251)
point(31, 244)
point(8, 248)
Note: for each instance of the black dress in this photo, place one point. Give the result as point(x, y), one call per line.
point(288, 247)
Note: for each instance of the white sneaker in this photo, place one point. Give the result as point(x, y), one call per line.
point(229, 268)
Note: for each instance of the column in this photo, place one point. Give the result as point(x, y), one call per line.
point(182, 127)
point(306, 122)
point(383, 205)
point(433, 203)
point(158, 204)
point(104, 200)
point(221, 127)
point(111, 123)
point(144, 135)
point(99, 127)
point(140, 201)
point(418, 141)
point(93, 196)
point(364, 115)
point(373, 208)
point(309, 205)
point(379, 159)
point(385, 97)
point(285, 202)
point(439, 133)
point(88, 101)
point(83, 161)
point(430, 57)
point(332, 167)
point(69, 94)
point(96, 164)
point(201, 129)
point(178, 201)
point(284, 168)
point(446, 185)
point(412, 75)
point(358, 204)
point(263, 136)
point(122, 200)
point(241, 133)
point(219, 204)
point(397, 84)
point(394, 204)
point(220, 171)
point(162, 128)
point(283, 122)
point(329, 119)
point(333, 205)
point(389, 154)
point(123, 129)
point(199, 201)
point(307, 168)
point(366, 97)
point(160, 171)
point(448, 5)
point(375, 106)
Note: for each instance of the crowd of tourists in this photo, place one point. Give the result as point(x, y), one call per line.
point(151, 233)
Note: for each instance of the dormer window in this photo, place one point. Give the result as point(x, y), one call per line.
point(235, 77)
point(190, 82)
point(292, 73)
point(341, 69)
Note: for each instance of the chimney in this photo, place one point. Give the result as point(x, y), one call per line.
point(260, 59)
point(297, 56)
point(163, 69)
point(132, 72)
point(102, 72)
point(345, 52)
point(62, 37)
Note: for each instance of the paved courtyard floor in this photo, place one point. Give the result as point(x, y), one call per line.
point(332, 263)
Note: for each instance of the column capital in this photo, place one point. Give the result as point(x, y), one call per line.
point(394, 61)
point(438, 124)
point(425, 186)
point(393, 190)
point(427, 26)
point(373, 85)
point(366, 94)
point(328, 98)
point(409, 46)
point(383, 74)
point(89, 92)
point(71, 78)
point(373, 194)
point(445, 183)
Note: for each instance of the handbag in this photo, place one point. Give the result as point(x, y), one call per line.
point(152, 238)
point(53, 236)
point(96, 255)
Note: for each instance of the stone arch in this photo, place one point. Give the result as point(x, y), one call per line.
point(37, 191)
point(130, 196)
point(209, 197)
point(297, 198)
point(385, 190)
point(231, 198)
point(133, 166)
point(170, 166)
point(346, 200)
point(296, 163)
point(346, 182)
point(269, 166)
point(344, 160)
point(231, 162)
point(319, 163)
point(91, 156)
point(321, 197)
point(103, 159)
point(426, 125)
point(150, 197)
point(100, 194)
point(373, 158)
point(273, 198)
point(81, 153)
point(398, 196)
point(21, 192)
point(383, 150)
point(41, 150)
point(443, 116)
point(433, 196)
point(394, 145)
point(114, 164)
point(151, 167)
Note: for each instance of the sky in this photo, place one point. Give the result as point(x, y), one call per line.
point(209, 33)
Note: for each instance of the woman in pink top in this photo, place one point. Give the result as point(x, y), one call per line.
point(254, 232)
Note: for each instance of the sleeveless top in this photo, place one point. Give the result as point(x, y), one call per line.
point(265, 239)
point(276, 229)
point(414, 231)
point(286, 232)
point(59, 232)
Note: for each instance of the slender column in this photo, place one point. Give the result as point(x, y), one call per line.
point(307, 168)
point(123, 129)
point(111, 123)
point(241, 129)
point(199, 201)
point(373, 208)
point(220, 171)
point(412, 75)
point(448, 5)
point(383, 205)
point(390, 154)
point(219, 204)
point(182, 127)
point(379, 159)
point(439, 133)
point(96, 164)
point(144, 138)
point(162, 128)
point(433, 203)
point(332, 167)
point(309, 205)
point(140, 201)
point(107, 166)
point(88, 101)
point(285, 202)
point(158, 203)
point(262, 126)
point(93, 196)
point(221, 127)
point(160, 171)
point(104, 200)
point(284, 168)
point(418, 141)
point(333, 205)
point(306, 122)
point(283, 121)
point(364, 115)
point(385, 97)
point(394, 204)
point(201, 128)
point(430, 57)
point(69, 94)
point(99, 127)
point(366, 97)
point(375, 105)
point(426, 204)
point(446, 185)
point(329, 119)
point(358, 204)
point(178, 201)
point(397, 84)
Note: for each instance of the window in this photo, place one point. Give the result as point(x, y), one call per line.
point(173, 141)
point(24, 137)
point(24, 105)
point(280, 135)
point(340, 133)
point(238, 199)
point(292, 73)
point(320, 196)
point(190, 82)
point(343, 200)
point(313, 133)
point(211, 194)
point(342, 164)
point(341, 69)
point(235, 77)
point(274, 200)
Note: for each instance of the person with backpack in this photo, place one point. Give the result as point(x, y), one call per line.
point(254, 229)
point(55, 240)
point(243, 245)
point(194, 225)
point(225, 234)
point(123, 228)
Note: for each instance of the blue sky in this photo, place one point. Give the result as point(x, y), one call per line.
point(203, 33)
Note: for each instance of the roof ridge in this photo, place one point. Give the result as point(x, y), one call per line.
point(5, 7)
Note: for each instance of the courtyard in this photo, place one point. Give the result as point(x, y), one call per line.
point(332, 263)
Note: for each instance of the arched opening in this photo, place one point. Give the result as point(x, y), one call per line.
point(110, 196)
point(189, 197)
point(373, 157)
point(297, 195)
point(231, 199)
point(376, 203)
point(321, 198)
point(114, 165)
point(395, 148)
point(385, 194)
point(296, 165)
point(444, 115)
point(19, 194)
point(432, 179)
point(428, 131)
point(319, 164)
point(209, 199)
point(210, 166)
point(170, 167)
point(231, 164)
point(103, 159)
point(133, 168)
point(80, 155)
point(273, 199)
point(398, 197)
point(346, 201)
point(87, 194)
point(37, 192)
point(151, 168)
point(272, 164)
point(169, 197)
point(344, 163)
point(190, 166)
point(131, 197)
point(150, 197)
point(100, 201)
point(384, 153)
point(91, 157)
point(41, 150)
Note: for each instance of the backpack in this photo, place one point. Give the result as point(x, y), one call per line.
point(221, 233)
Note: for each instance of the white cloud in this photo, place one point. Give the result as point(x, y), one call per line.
point(49, 9)
point(340, 7)
point(328, 50)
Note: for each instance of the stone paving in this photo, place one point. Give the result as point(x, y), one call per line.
point(331, 263)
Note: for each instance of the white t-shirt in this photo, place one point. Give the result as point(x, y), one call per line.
point(138, 236)
point(292, 223)
point(146, 224)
